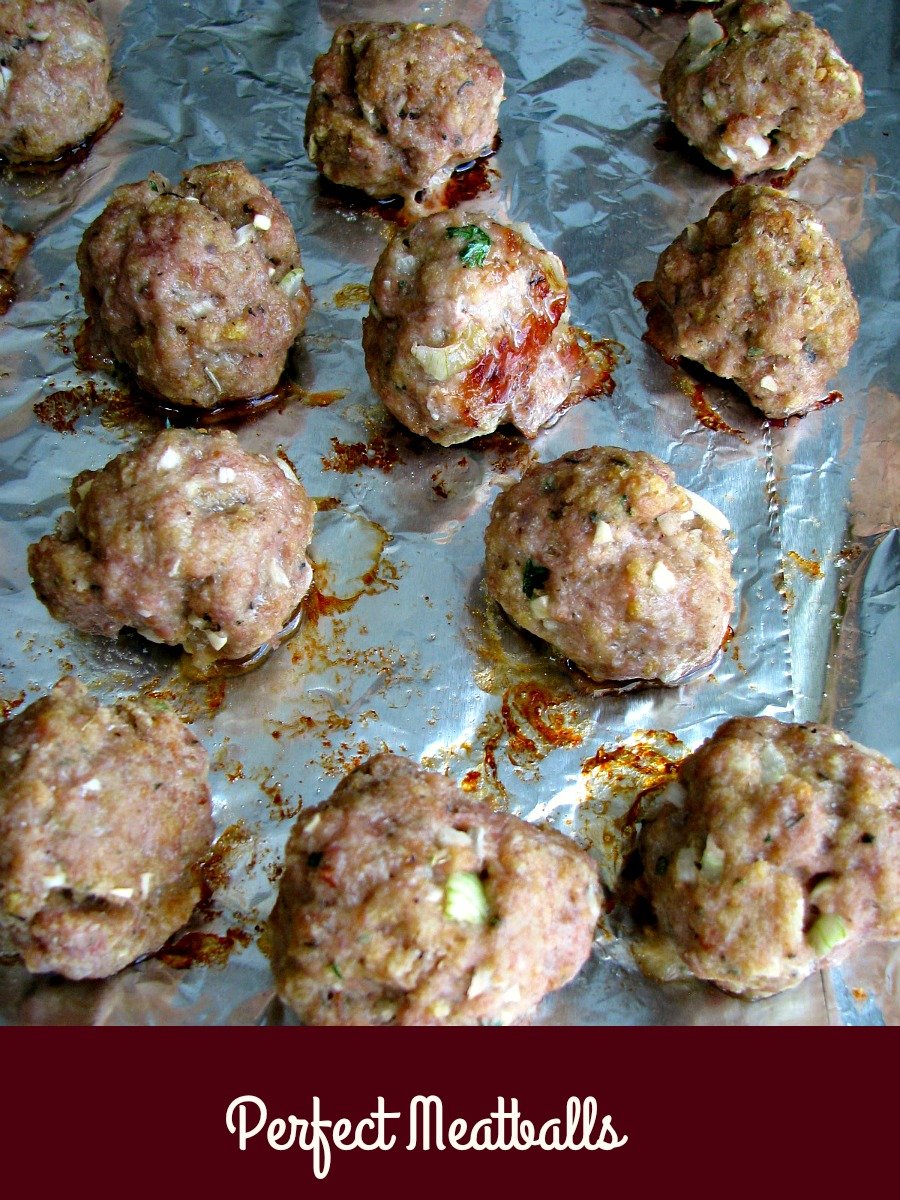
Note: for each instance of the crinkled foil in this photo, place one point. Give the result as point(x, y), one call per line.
point(399, 647)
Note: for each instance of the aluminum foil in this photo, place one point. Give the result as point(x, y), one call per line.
point(401, 649)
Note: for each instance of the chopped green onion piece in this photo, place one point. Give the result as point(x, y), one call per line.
point(828, 931)
point(534, 576)
point(713, 861)
point(477, 244)
point(336, 969)
point(465, 899)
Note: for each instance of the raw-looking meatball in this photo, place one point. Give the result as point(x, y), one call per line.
point(777, 851)
point(756, 292)
point(189, 539)
point(54, 76)
point(602, 555)
point(468, 329)
point(13, 248)
point(756, 86)
point(104, 819)
point(197, 289)
point(405, 902)
point(394, 108)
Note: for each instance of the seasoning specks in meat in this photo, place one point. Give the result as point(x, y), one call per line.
point(189, 539)
point(405, 902)
point(603, 556)
point(468, 329)
point(756, 86)
point(394, 107)
point(779, 853)
point(104, 819)
point(756, 292)
point(54, 76)
point(198, 289)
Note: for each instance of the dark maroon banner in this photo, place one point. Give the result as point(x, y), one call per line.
point(735, 1111)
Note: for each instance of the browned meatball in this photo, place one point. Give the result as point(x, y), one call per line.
point(54, 75)
point(780, 853)
point(602, 555)
point(197, 289)
point(394, 108)
point(756, 292)
point(468, 329)
point(13, 248)
point(404, 902)
point(188, 539)
point(755, 86)
point(104, 818)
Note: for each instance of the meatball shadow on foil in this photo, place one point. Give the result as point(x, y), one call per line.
point(197, 289)
point(468, 329)
point(188, 540)
point(773, 854)
point(395, 108)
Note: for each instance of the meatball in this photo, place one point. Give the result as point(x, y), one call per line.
point(189, 539)
point(54, 77)
point(13, 248)
point(779, 853)
point(468, 329)
point(756, 86)
point(756, 292)
point(394, 108)
point(602, 555)
point(104, 817)
point(405, 902)
point(198, 290)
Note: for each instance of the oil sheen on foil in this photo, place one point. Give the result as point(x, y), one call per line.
point(401, 649)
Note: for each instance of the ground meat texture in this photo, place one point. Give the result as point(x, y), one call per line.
point(404, 902)
point(602, 555)
point(756, 292)
point(756, 86)
point(188, 539)
point(54, 75)
point(104, 818)
point(198, 289)
point(780, 852)
point(13, 248)
point(394, 108)
point(468, 329)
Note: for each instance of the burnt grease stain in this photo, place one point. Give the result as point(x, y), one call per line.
point(71, 156)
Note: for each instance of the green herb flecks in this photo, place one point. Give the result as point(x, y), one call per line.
point(534, 576)
point(476, 244)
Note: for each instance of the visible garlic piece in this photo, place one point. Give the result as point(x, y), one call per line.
point(226, 475)
point(730, 154)
point(216, 639)
point(146, 881)
point(524, 230)
point(671, 522)
point(92, 785)
point(815, 226)
point(278, 575)
point(707, 511)
point(603, 533)
point(662, 578)
point(39, 35)
point(58, 879)
point(453, 837)
point(121, 893)
point(704, 30)
point(768, 383)
point(442, 362)
point(482, 981)
point(291, 282)
point(244, 234)
point(83, 488)
point(540, 606)
point(212, 379)
point(262, 221)
point(312, 823)
point(685, 865)
point(170, 459)
point(175, 568)
point(758, 145)
point(5, 77)
point(772, 765)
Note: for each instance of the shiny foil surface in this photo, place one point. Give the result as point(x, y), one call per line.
point(399, 647)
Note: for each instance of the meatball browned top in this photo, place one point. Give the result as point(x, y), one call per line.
point(104, 818)
point(602, 555)
point(405, 902)
point(756, 292)
point(54, 75)
point(188, 539)
point(394, 106)
point(756, 86)
point(197, 289)
point(468, 329)
point(779, 854)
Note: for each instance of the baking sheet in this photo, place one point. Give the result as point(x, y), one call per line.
point(402, 651)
